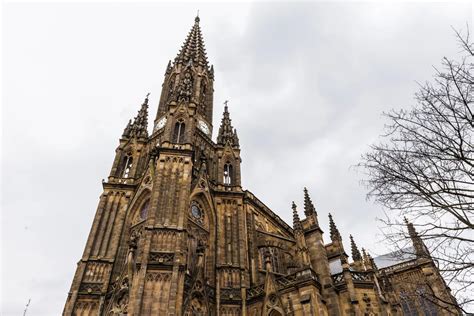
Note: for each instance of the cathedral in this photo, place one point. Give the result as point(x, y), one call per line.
point(176, 234)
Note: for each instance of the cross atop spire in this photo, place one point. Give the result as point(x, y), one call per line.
point(333, 231)
point(193, 50)
point(226, 132)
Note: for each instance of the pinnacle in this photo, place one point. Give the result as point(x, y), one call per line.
point(296, 219)
point(333, 231)
point(411, 228)
point(139, 127)
point(226, 132)
point(309, 208)
point(356, 256)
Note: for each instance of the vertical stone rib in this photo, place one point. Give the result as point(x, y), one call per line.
point(103, 221)
point(95, 226)
point(110, 225)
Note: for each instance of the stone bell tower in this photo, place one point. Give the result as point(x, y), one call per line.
point(152, 236)
point(176, 234)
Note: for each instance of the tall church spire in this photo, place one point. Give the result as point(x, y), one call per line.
point(226, 132)
point(189, 80)
point(193, 49)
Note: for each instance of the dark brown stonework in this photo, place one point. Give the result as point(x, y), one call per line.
point(175, 233)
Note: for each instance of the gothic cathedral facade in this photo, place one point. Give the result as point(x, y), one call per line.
point(176, 234)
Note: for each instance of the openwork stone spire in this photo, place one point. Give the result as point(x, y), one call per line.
point(333, 231)
point(193, 50)
point(296, 219)
point(356, 256)
point(139, 126)
point(226, 132)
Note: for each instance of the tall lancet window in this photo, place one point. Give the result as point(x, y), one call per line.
point(228, 173)
point(126, 166)
point(178, 134)
point(144, 210)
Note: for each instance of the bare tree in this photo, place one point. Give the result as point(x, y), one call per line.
point(423, 168)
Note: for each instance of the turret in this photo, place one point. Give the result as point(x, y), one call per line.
point(228, 152)
point(130, 155)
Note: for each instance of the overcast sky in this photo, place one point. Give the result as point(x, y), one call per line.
point(307, 83)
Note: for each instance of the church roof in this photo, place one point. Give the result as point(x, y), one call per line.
point(395, 257)
point(193, 49)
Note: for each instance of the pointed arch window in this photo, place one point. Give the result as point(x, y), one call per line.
point(228, 173)
point(178, 134)
point(426, 303)
point(126, 167)
point(144, 209)
point(408, 305)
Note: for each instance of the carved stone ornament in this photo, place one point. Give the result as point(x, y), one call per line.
point(120, 306)
point(185, 88)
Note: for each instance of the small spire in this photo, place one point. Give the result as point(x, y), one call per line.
point(168, 68)
point(372, 262)
point(333, 231)
point(197, 19)
point(128, 129)
point(418, 244)
point(411, 228)
point(356, 256)
point(296, 219)
point(309, 208)
point(226, 132)
point(139, 127)
point(365, 257)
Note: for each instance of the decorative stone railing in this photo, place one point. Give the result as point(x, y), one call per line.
point(357, 277)
point(230, 294)
point(161, 257)
point(361, 276)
